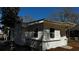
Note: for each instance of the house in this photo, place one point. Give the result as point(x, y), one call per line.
point(73, 33)
point(44, 34)
point(1, 34)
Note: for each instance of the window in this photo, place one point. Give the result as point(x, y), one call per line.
point(51, 33)
point(74, 33)
point(36, 32)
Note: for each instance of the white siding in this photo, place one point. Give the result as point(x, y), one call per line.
point(57, 41)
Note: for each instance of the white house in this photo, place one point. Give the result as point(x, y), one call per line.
point(44, 34)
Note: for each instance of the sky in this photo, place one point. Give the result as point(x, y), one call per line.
point(41, 12)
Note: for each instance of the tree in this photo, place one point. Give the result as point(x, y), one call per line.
point(66, 15)
point(27, 18)
point(9, 18)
